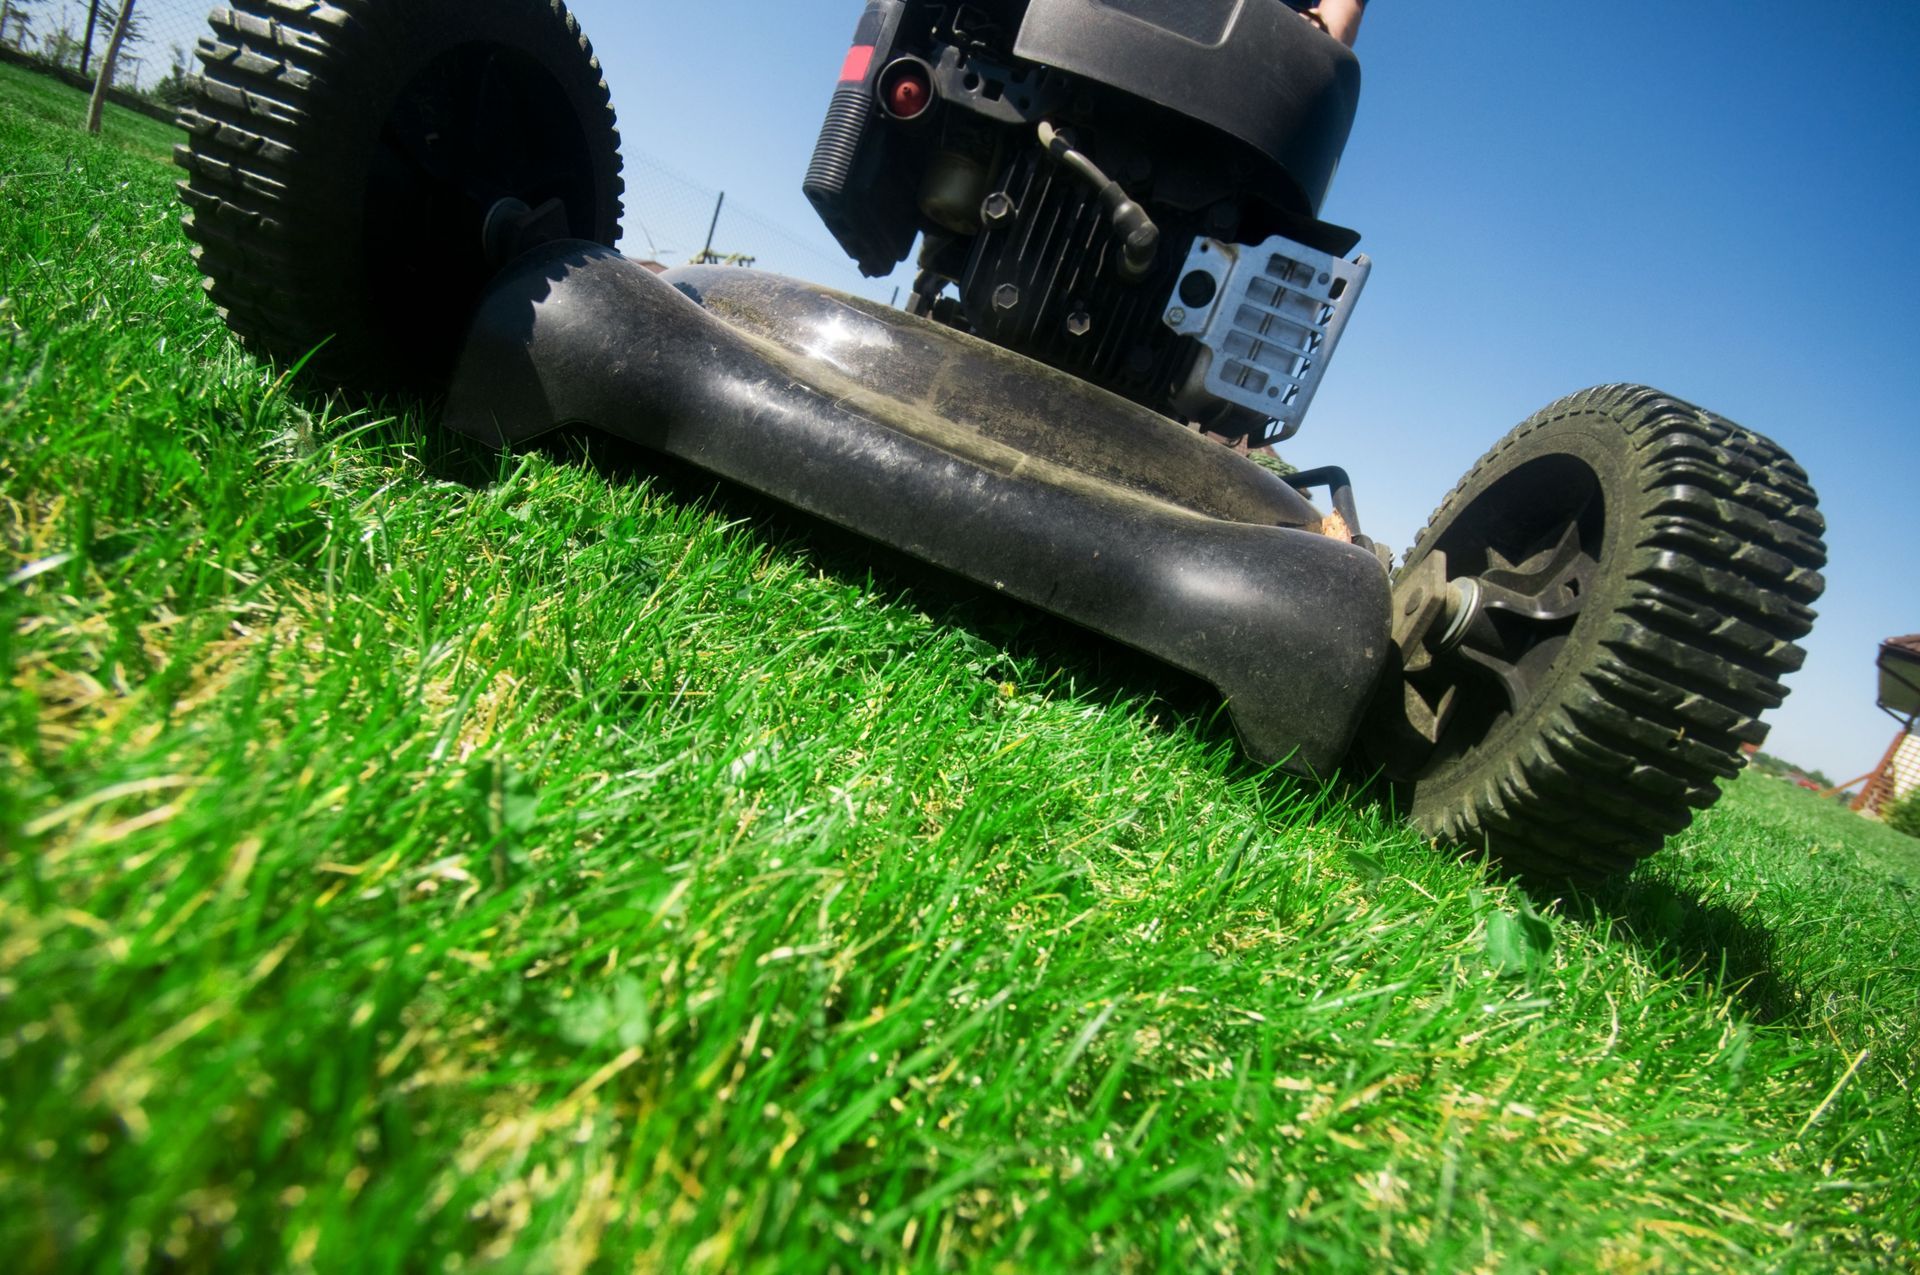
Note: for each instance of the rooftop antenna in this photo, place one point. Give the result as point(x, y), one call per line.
point(706, 257)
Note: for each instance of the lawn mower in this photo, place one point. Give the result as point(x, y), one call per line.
point(1121, 262)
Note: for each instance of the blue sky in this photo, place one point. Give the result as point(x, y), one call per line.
point(1716, 197)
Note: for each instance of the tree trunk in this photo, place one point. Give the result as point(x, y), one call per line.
point(105, 79)
point(86, 45)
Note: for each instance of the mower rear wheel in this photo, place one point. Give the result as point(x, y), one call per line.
point(1625, 576)
point(344, 157)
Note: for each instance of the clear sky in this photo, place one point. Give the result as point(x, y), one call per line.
point(1717, 197)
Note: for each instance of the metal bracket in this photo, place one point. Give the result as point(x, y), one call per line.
point(1268, 317)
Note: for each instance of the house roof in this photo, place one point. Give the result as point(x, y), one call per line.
point(1899, 666)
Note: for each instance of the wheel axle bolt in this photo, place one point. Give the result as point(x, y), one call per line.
point(502, 226)
point(1463, 608)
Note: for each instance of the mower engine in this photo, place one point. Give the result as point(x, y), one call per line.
point(1127, 190)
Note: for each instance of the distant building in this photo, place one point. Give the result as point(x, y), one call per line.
point(1899, 771)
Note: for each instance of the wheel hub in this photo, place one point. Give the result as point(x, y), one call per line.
point(1475, 645)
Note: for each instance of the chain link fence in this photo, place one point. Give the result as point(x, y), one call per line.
point(71, 36)
point(671, 218)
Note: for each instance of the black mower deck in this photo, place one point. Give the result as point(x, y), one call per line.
point(980, 461)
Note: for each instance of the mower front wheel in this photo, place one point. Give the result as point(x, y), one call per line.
point(345, 158)
point(1590, 627)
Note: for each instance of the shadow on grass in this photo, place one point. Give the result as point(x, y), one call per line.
point(1707, 944)
point(1077, 659)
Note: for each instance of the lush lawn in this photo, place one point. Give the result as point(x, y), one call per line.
point(573, 866)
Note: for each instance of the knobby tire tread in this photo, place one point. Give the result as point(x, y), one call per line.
point(1727, 559)
point(272, 74)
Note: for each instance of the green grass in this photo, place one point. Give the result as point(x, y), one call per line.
point(584, 867)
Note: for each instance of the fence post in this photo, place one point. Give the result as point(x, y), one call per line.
point(86, 47)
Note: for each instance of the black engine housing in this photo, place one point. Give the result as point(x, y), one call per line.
point(1222, 118)
point(1250, 69)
